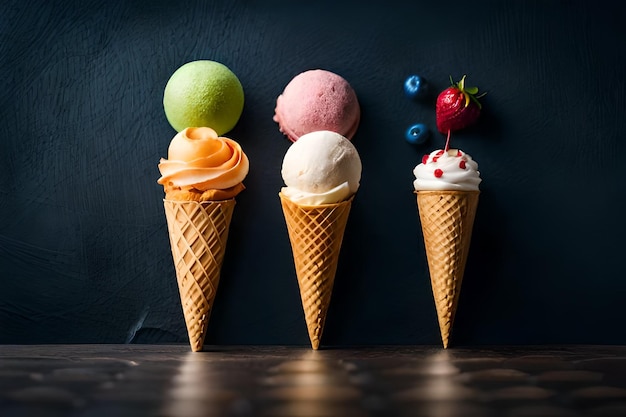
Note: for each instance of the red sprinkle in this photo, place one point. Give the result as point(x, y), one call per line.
point(440, 152)
point(424, 159)
point(462, 164)
point(458, 153)
point(438, 173)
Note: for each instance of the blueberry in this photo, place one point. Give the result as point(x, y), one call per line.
point(415, 87)
point(417, 134)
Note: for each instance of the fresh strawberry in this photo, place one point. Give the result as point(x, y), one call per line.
point(457, 107)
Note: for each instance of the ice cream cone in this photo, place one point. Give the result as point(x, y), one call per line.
point(447, 218)
point(198, 233)
point(316, 233)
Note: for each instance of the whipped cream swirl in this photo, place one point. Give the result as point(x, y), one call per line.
point(453, 170)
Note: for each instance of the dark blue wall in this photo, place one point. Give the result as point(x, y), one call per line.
point(84, 251)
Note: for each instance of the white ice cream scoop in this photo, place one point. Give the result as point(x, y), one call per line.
point(322, 167)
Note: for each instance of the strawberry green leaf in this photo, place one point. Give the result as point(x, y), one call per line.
point(462, 83)
point(475, 100)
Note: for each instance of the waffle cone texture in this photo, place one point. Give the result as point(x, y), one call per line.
point(447, 219)
point(316, 234)
point(198, 233)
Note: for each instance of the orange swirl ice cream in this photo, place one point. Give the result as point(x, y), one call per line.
point(201, 177)
point(202, 166)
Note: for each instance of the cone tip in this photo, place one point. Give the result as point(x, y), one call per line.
point(445, 342)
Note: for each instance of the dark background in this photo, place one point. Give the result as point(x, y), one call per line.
point(84, 251)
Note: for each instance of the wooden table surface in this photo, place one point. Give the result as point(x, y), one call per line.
point(170, 380)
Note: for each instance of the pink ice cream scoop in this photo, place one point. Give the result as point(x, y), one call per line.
point(317, 100)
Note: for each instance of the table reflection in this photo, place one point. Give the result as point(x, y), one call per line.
point(204, 388)
point(311, 385)
point(431, 387)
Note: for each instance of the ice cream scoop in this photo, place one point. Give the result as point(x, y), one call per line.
point(322, 167)
point(322, 172)
point(203, 93)
point(452, 170)
point(201, 177)
point(201, 162)
point(317, 100)
point(446, 184)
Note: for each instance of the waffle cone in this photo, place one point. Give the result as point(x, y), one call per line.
point(198, 233)
point(447, 219)
point(316, 233)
